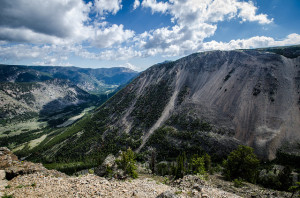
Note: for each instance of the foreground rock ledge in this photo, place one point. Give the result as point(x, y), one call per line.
point(27, 179)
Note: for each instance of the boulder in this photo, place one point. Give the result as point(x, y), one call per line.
point(108, 166)
point(7, 158)
point(22, 168)
point(167, 194)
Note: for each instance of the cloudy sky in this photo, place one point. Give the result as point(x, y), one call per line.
point(138, 33)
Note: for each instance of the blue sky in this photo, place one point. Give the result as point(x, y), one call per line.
point(139, 33)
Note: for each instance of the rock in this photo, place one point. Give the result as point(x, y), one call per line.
point(22, 168)
point(3, 183)
point(204, 196)
point(7, 158)
point(109, 166)
point(2, 174)
point(135, 193)
point(167, 194)
point(197, 187)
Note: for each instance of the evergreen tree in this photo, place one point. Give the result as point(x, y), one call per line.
point(241, 163)
point(127, 163)
point(197, 165)
point(207, 162)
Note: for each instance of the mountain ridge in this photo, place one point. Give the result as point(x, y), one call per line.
point(93, 80)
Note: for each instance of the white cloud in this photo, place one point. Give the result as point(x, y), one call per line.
point(38, 21)
point(43, 54)
point(136, 4)
point(109, 36)
point(108, 6)
point(194, 21)
point(130, 66)
point(253, 42)
point(155, 6)
point(248, 13)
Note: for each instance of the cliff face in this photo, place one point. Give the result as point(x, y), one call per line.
point(209, 101)
point(250, 96)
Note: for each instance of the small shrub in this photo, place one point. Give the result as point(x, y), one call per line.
point(7, 196)
point(8, 186)
point(20, 186)
point(91, 171)
point(237, 183)
point(33, 184)
point(295, 189)
point(178, 192)
point(166, 181)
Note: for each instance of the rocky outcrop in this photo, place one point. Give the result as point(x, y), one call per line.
point(109, 168)
point(7, 158)
point(13, 167)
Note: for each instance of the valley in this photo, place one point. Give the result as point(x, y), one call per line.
point(35, 103)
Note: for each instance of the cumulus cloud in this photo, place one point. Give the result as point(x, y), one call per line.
point(108, 6)
point(40, 21)
point(109, 36)
point(155, 6)
point(136, 4)
point(60, 22)
point(194, 21)
point(253, 42)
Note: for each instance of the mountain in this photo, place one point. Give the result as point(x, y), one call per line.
point(206, 102)
point(25, 100)
point(99, 81)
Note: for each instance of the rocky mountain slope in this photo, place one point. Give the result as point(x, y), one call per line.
point(100, 80)
point(205, 102)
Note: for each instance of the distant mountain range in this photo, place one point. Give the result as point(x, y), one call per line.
point(98, 81)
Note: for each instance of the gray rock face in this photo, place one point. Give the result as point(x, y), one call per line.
point(249, 97)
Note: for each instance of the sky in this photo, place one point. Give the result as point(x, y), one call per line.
point(139, 33)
